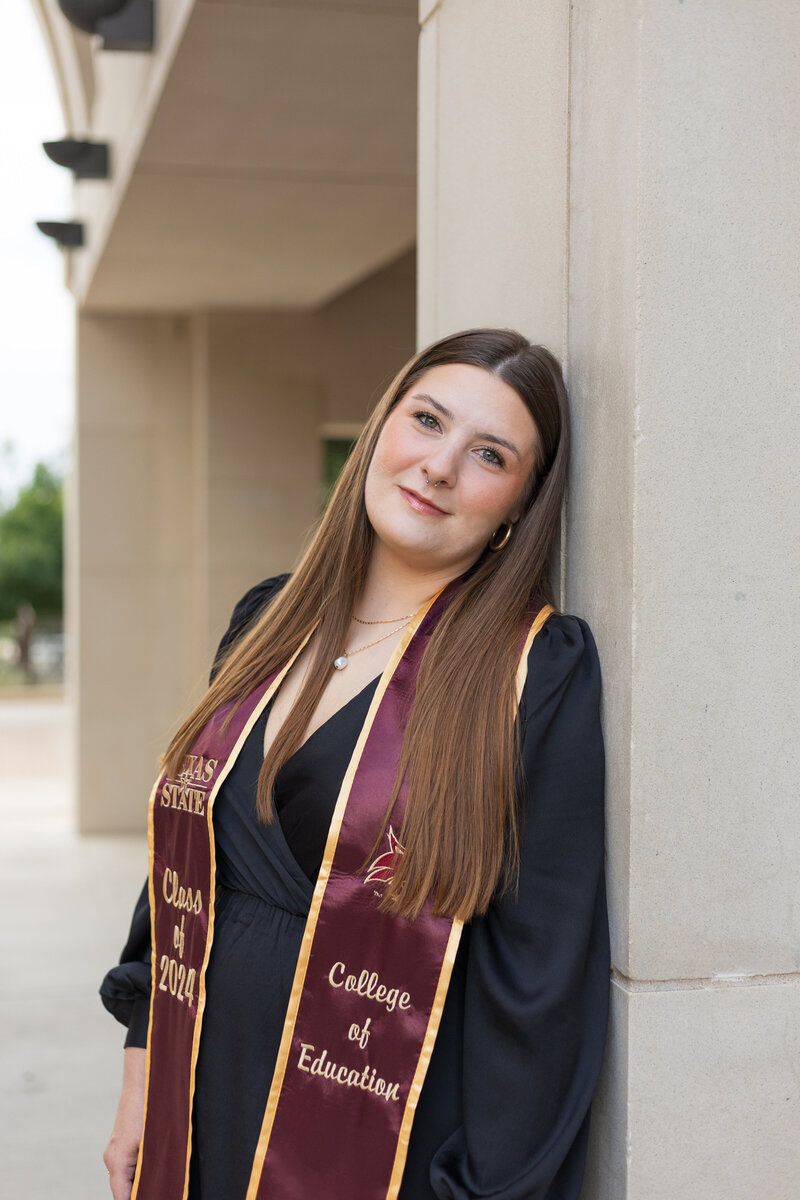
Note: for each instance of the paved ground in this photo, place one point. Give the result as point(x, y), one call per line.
point(65, 903)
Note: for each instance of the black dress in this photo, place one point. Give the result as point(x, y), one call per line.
point(504, 1111)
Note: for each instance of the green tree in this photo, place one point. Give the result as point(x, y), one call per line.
point(32, 547)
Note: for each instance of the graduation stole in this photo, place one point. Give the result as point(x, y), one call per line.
point(369, 987)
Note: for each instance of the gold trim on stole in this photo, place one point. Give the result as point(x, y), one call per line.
point(522, 669)
point(437, 1008)
point(201, 990)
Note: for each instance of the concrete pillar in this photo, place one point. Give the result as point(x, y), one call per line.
point(679, 329)
point(198, 473)
point(493, 96)
point(131, 570)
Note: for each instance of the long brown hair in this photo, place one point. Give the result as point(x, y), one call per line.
point(460, 748)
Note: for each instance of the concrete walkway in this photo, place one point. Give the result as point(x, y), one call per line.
point(66, 903)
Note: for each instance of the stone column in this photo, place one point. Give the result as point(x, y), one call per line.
point(669, 133)
point(493, 96)
point(131, 558)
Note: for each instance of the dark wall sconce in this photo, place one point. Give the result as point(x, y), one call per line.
point(120, 24)
point(68, 234)
point(86, 160)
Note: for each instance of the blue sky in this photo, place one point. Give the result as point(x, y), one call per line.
point(36, 310)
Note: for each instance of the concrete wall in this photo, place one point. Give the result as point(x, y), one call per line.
point(132, 564)
point(620, 187)
point(198, 474)
point(275, 381)
point(492, 177)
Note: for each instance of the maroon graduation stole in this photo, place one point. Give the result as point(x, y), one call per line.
point(369, 987)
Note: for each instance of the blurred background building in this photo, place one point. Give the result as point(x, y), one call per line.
point(287, 198)
point(245, 289)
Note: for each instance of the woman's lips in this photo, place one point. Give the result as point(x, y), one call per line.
point(421, 505)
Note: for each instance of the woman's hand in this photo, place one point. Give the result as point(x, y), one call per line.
point(122, 1150)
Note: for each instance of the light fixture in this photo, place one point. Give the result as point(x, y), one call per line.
point(120, 24)
point(68, 234)
point(86, 160)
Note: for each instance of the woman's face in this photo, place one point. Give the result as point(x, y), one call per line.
point(464, 430)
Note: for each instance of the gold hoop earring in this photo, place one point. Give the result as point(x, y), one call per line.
point(494, 544)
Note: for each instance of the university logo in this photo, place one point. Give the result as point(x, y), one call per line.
point(382, 869)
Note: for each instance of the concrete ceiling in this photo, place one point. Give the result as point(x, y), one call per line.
point(280, 164)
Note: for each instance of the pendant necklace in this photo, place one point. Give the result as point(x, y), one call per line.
point(341, 662)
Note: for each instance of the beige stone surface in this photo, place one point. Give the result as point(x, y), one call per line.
point(601, 366)
point(713, 1092)
point(428, 184)
point(137, 679)
point(426, 7)
point(496, 112)
point(297, 78)
point(265, 483)
point(718, 551)
point(277, 242)
point(132, 560)
point(683, 330)
point(699, 1095)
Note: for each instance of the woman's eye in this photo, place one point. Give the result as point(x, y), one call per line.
point(427, 419)
point(492, 457)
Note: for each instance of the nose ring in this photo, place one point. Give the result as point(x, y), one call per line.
point(427, 480)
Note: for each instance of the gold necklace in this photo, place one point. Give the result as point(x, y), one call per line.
point(341, 662)
point(385, 621)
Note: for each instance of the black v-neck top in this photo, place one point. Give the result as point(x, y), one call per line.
point(504, 1110)
point(306, 789)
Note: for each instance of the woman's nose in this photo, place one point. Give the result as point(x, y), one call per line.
point(435, 475)
point(440, 469)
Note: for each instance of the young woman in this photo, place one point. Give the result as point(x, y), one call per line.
point(376, 910)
